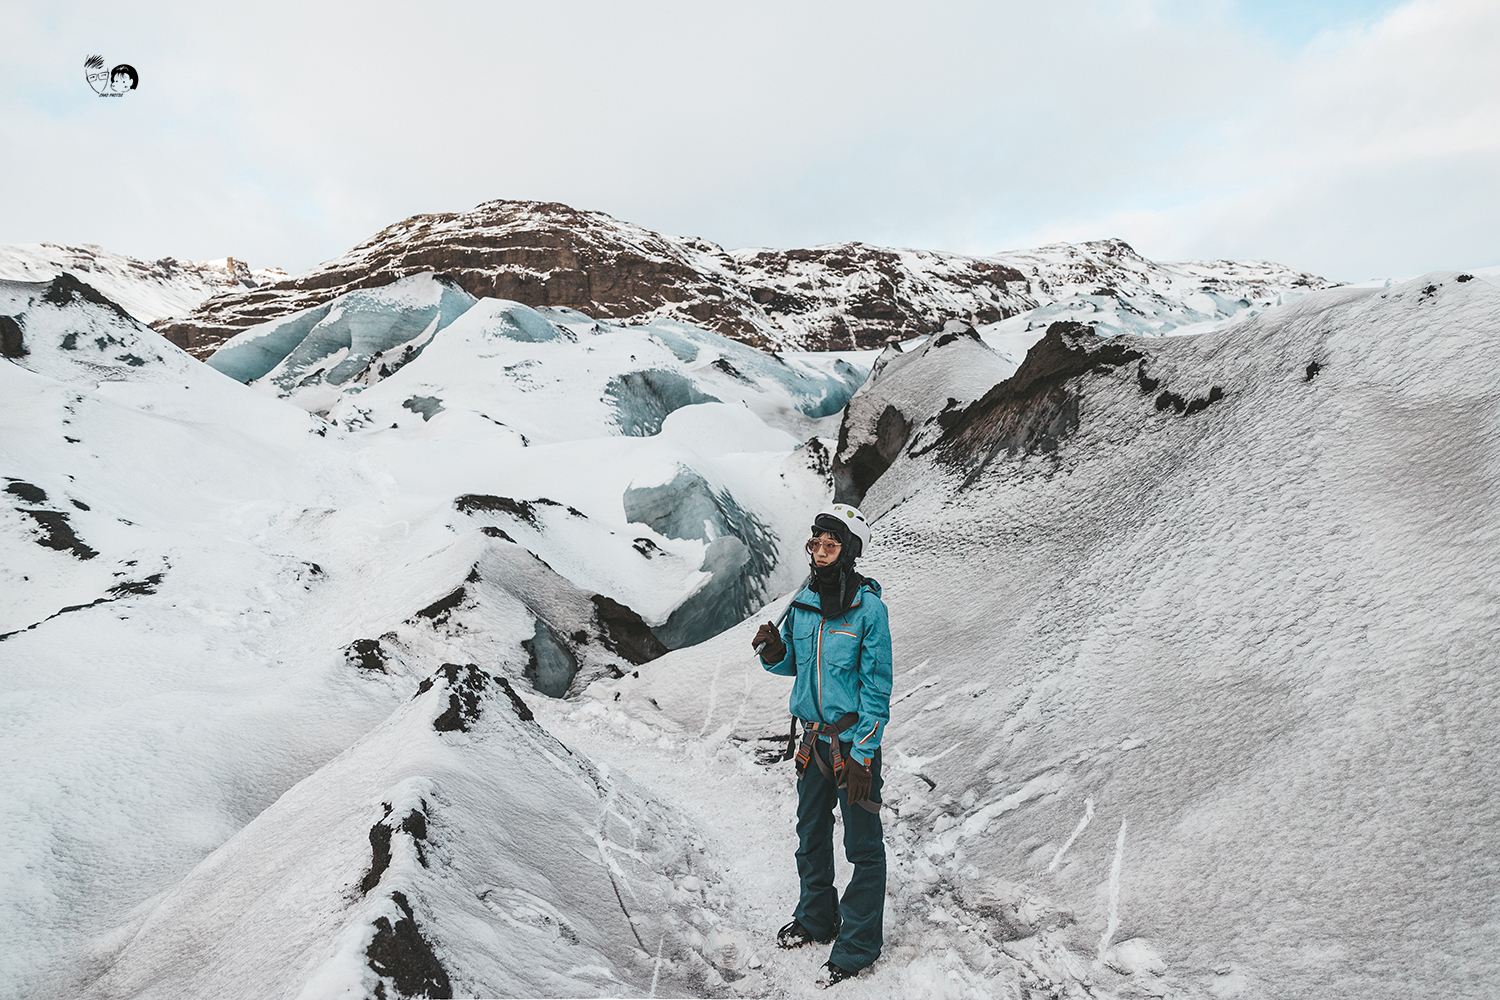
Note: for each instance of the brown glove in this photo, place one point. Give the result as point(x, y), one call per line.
point(775, 649)
point(858, 777)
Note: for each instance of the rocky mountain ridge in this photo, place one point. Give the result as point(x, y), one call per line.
point(151, 291)
point(834, 297)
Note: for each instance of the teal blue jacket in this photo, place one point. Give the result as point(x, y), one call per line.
point(842, 664)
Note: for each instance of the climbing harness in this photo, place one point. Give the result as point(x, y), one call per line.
point(837, 773)
point(810, 733)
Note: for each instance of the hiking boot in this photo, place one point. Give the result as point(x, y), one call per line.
point(794, 935)
point(832, 974)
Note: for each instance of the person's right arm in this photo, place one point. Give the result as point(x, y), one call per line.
point(782, 661)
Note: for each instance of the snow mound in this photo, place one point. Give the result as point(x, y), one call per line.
point(907, 391)
point(1195, 673)
point(423, 861)
point(67, 330)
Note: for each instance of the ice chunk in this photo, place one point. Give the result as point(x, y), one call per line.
point(252, 354)
point(643, 399)
point(428, 406)
point(335, 342)
point(740, 558)
point(552, 664)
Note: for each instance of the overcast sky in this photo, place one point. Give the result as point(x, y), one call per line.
point(1352, 138)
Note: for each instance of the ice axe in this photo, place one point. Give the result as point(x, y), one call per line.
point(791, 736)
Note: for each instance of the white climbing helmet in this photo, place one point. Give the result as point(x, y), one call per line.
point(851, 518)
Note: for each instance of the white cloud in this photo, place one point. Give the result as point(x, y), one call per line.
point(288, 133)
point(1373, 152)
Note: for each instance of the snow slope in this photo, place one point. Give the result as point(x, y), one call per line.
point(148, 290)
point(1195, 659)
point(475, 828)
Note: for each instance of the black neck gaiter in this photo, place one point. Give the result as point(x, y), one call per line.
point(835, 584)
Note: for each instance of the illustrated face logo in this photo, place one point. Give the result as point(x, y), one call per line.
point(109, 82)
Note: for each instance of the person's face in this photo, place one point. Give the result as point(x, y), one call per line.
point(824, 548)
point(100, 80)
point(120, 83)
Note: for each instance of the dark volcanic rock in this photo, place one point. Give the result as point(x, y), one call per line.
point(57, 533)
point(548, 254)
point(12, 338)
point(870, 460)
point(1035, 408)
point(399, 955)
point(66, 289)
point(466, 684)
point(366, 654)
point(625, 632)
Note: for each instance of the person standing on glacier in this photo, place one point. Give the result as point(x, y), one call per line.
point(836, 641)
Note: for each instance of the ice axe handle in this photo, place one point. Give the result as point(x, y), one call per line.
point(785, 611)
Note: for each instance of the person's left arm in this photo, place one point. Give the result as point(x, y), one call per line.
point(874, 684)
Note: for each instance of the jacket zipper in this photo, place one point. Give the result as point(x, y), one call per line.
point(820, 670)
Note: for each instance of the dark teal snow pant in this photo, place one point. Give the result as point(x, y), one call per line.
point(858, 918)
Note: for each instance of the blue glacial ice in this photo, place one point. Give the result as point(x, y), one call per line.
point(815, 392)
point(343, 336)
point(740, 555)
point(643, 399)
point(553, 666)
point(324, 355)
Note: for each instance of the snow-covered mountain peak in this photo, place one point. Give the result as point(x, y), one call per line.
point(1106, 284)
point(148, 290)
